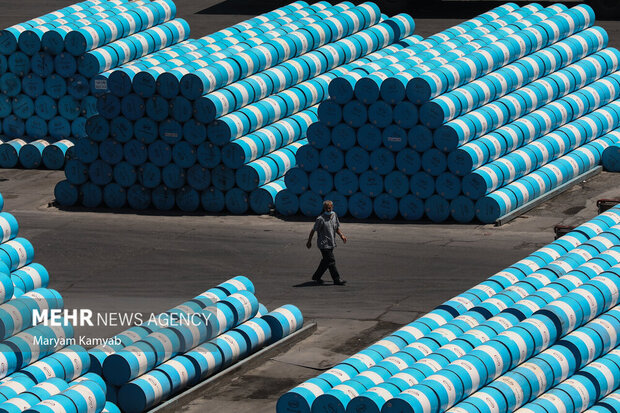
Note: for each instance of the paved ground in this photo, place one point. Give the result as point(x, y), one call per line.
point(125, 262)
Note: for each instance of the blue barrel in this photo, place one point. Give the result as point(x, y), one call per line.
point(611, 158)
point(66, 193)
point(30, 155)
point(54, 155)
point(9, 153)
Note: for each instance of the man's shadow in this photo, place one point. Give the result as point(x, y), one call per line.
point(312, 284)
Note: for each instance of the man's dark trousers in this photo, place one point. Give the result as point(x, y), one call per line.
point(328, 261)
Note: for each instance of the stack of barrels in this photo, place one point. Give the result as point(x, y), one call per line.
point(42, 368)
point(539, 336)
point(47, 66)
point(188, 343)
point(217, 127)
point(476, 122)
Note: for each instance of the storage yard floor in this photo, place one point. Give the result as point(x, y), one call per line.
point(144, 262)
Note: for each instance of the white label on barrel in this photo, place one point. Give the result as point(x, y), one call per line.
point(6, 229)
point(48, 387)
point(582, 253)
point(469, 320)
point(53, 405)
point(415, 332)
point(112, 28)
point(372, 376)
point(463, 301)
point(266, 169)
point(140, 358)
point(206, 354)
point(529, 304)
point(222, 322)
point(497, 145)
point(436, 317)
point(544, 331)
point(258, 330)
point(133, 336)
point(93, 34)
point(541, 378)
point(257, 113)
point(181, 370)
point(610, 284)
point(276, 108)
point(21, 252)
point(34, 276)
point(236, 120)
point(447, 333)
point(347, 390)
point(245, 303)
point(383, 393)
point(272, 138)
point(556, 171)
point(421, 398)
point(523, 189)
point(312, 388)
point(156, 386)
point(609, 377)
point(487, 56)
point(435, 366)
point(458, 351)
point(20, 403)
point(339, 374)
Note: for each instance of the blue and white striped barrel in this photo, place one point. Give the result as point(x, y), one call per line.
point(54, 155)
point(30, 155)
point(207, 359)
point(284, 321)
point(9, 152)
point(90, 37)
point(263, 199)
point(9, 227)
point(256, 332)
point(124, 50)
point(17, 384)
point(244, 305)
point(16, 253)
point(204, 81)
point(30, 277)
point(17, 314)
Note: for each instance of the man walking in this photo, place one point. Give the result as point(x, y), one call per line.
point(327, 226)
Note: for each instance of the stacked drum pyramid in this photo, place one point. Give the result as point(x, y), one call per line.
point(43, 369)
point(216, 127)
point(540, 336)
point(47, 66)
point(473, 122)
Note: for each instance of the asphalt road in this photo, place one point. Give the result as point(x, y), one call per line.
point(123, 262)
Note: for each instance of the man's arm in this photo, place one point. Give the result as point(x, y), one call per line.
point(309, 243)
point(344, 239)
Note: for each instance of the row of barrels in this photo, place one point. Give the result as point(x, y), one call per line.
point(47, 65)
point(43, 369)
point(152, 362)
point(540, 335)
point(471, 124)
point(153, 145)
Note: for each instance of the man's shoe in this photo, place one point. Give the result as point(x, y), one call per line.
point(340, 282)
point(319, 281)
